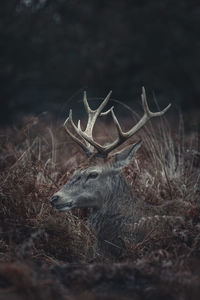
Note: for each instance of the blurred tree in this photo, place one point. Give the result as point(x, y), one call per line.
point(50, 49)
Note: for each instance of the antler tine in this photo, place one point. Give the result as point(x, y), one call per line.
point(119, 129)
point(72, 122)
point(76, 128)
point(87, 108)
point(79, 142)
point(103, 104)
point(106, 112)
point(146, 107)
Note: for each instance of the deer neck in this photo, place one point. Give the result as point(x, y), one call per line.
point(116, 203)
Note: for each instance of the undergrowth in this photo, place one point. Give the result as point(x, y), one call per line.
point(37, 158)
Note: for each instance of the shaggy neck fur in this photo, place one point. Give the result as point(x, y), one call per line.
point(109, 220)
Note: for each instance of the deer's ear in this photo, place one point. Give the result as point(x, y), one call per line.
point(124, 157)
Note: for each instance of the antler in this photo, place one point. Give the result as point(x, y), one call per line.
point(86, 135)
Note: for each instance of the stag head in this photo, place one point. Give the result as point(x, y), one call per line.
point(93, 186)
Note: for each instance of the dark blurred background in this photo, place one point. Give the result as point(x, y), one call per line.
point(52, 50)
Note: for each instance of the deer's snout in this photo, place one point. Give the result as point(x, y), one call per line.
point(60, 203)
point(54, 200)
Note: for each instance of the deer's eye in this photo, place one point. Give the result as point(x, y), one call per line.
point(92, 175)
point(75, 180)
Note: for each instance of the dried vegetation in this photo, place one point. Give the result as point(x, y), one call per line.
point(40, 246)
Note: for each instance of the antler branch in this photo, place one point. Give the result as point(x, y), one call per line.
point(88, 132)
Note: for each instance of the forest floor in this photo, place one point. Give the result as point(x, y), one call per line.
point(44, 253)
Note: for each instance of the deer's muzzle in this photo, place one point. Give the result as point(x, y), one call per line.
point(56, 202)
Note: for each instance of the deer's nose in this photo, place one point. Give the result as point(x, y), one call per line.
point(54, 200)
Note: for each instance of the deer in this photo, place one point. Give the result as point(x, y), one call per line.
point(102, 187)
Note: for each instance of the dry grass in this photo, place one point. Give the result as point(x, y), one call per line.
point(36, 159)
